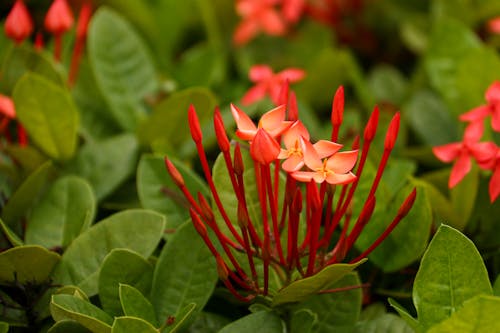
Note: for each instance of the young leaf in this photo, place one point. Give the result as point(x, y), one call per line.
point(63, 307)
point(122, 266)
point(451, 272)
point(62, 214)
point(49, 115)
point(136, 305)
point(10, 235)
point(132, 325)
point(137, 230)
point(302, 289)
point(27, 264)
point(185, 273)
point(262, 321)
point(122, 66)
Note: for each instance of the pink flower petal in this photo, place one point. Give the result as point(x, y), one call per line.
point(303, 176)
point(293, 133)
point(273, 118)
point(475, 114)
point(341, 179)
point(473, 132)
point(449, 152)
point(342, 162)
point(245, 31)
point(292, 74)
point(493, 93)
point(326, 148)
point(254, 94)
point(311, 157)
point(272, 23)
point(461, 167)
point(293, 163)
point(260, 73)
point(246, 127)
point(494, 186)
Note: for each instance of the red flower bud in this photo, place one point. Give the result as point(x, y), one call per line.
point(198, 224)
point(222, 268)
point(194, 125)
point(18, 25)
point(392, 132)
point(238, 165)
point(174, 173)
point(293, 109)
point(59, 18)
point(220, 131)
point(407, 204)
point(263, 148)
point(338, 107)
point(371, 126)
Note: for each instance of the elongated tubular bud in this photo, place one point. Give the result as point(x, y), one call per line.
point(403, 211)
point(81, 34)
point(284, 91)
point(243, 221)
point(202, 230)
point(18, 24)
point(194, 125)
point(363, 219)
point(174, 173)
point(293, 109)
point(206, 211)
point(392, 132)
point(371, 126)
point(220, 131)
point(238, 165)
point(337, 112)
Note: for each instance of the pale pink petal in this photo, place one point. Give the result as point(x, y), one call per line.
point(475, 114)
point(254, 94)
point(245, 31)
point(303, 176)
point(326, 148)
point(449, 152)
point(342, 162)
point(493, 93)
point(311, 158)
point(293, 163)
point(461, 167)
point(293, 133)
point(246, 127)
point(273, 118)
point(319, 177)
point(494, 186)
point(272, 23)
point(275, 132)
point(292, 74)
point(263, 148)
point(340, 179)
point(260, 73)
point(7, 107)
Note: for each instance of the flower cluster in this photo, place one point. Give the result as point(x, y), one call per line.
point(58, 20)
point(319, 186)
point(486, 154)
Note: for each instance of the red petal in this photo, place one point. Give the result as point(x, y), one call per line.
point(272, 23)
point(293, 163)
point(493, 93)
point(292, 74)
point(246, 127)
point(292, 10)
point(476, 114)
point(495, 118)
point(484, 152)
point(473, 132)
point(448, 152)
point(494, 186)
point(254, 94)
point(303, 176)
point(245, 31)
point(326, 148)
point(260, 73)
point(293, 133)
point(461, 167)
point(342, 162)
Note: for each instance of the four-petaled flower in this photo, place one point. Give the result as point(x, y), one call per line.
point(273, 122)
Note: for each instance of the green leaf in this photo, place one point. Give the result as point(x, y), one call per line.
point(64, 307)
point(65, 326)
point(496, 286)
point(388, 85)
point(403, 313)
point(137, 230)
point(385, 323)
point(123, 71)
point(136, 305)
point(158, 192)
point(303, 321)
point(49, 115)
point(207, 322)
point(22, 59)
point(106, 164)
point(300, 290)
point(262, 321)
point(21, 201)
point(10, 235)
point(62, 214)
point(27, 264)
point(4, 327)
point(163, 123)
point(122, 266)
point(463, 196)
point(181, 319)
point(338, 311)
point(185, 273)
point(479, 314)
point(132, 325)
point(451, 272)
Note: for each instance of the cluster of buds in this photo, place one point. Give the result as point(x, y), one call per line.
point(58, 20)
point(280, 143)
point(486, 154)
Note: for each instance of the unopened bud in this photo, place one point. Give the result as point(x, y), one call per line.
point(371, 126)
point(407, 204)
point(222, 268)
point(59, 18)
point(293, 109)
point(206, 210)
point(242, 216)
point(220, 131)
point(238, 165)
point(283, 95)
point(392, 132)
point(338, 107)
point(367, 212)
point(18, 25)
point(174, 173)
point(194, 125)
point(263, 148)
point(198, 224)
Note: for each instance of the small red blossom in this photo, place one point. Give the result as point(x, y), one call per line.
point(269, 83)
point(494, 25)
point(18, 25)
point(492, 108)
point(257, 16)
point(59, 18)
point(293, 10)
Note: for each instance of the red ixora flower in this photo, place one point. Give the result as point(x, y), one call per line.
point(18, 25)
point(269, 83)
point(492, 108)
point(257, 16)
point(494, 25)
point(310, 172)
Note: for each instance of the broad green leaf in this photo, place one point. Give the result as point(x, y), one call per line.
point(136, 305)
point(183, 317)
point(303, 321)
point(132, 325)
point(158, 192)
point(4, 327)
point(137, 230)
point(207, 322)
point(21, 201)
point(106, 164)
point(338, 311)
point(22, 59)
point(10, 235)
point(451, 272)
point(122, 266)
point(300, 290)
point(201, 65)
point(403, 313)
point(27, 264)
point(72, 290)
point(49, 115)
point(430, 118)
point(65, 326)
point(388, 85)
point(496, 286)
point(479, 314)
point(185, 273)
point(262, 321)
point(64, 307)
point(164, 123)
point(385, 323)
point(62, 214)
point(123, 71)
point(28, 157)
